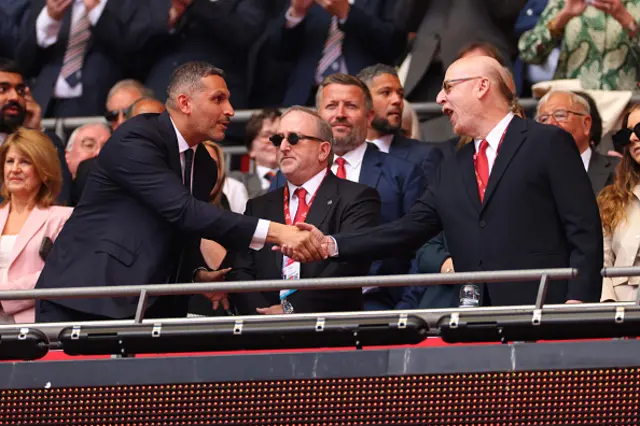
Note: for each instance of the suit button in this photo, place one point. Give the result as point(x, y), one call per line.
point(483, 224)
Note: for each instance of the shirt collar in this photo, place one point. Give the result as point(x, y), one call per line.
point(311, 186)
point(182, 143)
point(384, 143)
point(495, 135)
point(586, 157)
point(355, 156)
point(261, 171)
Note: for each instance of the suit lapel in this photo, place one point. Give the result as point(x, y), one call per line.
point(171, 140)
point(464, 158)
point(275, 212)
point(399, 147)
point(598, 171)
point(371, 168)
point(512, 140)
point(34, 222)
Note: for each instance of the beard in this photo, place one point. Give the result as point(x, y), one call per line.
point(9, 123)
point(344, 144)
point(383, 125)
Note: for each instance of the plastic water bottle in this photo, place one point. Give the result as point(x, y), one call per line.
point(469, 296)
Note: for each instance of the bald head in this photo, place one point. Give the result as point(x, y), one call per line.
point(146, 105)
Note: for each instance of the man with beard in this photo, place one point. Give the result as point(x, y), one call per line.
point(385, 130)
point(17, 108)
point(345, 102)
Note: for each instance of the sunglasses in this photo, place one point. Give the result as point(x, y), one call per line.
point(112, 116)
point(292, 138)
point(622, 137)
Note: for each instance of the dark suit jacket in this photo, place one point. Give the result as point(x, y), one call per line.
point(136, 220)
point(12, 13)
point(539, 212)
point(370, 37)
point(82, 176)
point(121, 29)
point(601, 170)
point(339, 206)
point(400, 184)
point(220, 32)
point(425, 155)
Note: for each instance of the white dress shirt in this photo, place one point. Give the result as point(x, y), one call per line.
point(353, 163)
point(493, 138)
point(383, 143)
point(47, 30)
point(236, 194)
point(260, 234)
point(261, 171)
point(586, 158)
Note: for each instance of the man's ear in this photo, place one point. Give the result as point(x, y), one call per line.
point(183, 102)
point(325, 150)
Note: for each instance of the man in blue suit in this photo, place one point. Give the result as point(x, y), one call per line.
point(384, 132)
point(324, 37)
point(345, 102)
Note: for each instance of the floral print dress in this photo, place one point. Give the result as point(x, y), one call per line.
point(595, 48)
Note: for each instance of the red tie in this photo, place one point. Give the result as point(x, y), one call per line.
point(341, 172)
point(482, 168)
point(303, 207)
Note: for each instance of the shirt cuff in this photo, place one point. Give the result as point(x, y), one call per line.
point(260, 235)
point(96, 12)
point(291, 21)
point(47, 29)
point(334, 252)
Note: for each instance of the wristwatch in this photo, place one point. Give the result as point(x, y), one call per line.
point(553, 29)
point(287, 307)
point(195, 273)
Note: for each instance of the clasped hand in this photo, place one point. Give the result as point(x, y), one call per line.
point(305, 243)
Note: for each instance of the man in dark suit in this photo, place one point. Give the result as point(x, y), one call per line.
point(527, 206)
point(75, 50)
point(325, 37)
point(333, 205)
point(571, 112)
point(138, 222)
point(385, 129)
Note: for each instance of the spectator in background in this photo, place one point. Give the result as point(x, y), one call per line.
point(260, 128)
point(620, 212)
point(18, 108)
point(120, 98)
point(598, 42)
point(410, 122)
point(384, 130)
point(85, 142)
point(327, 37)
point(145, 105)
point(31, 181)
point(572, 112)
point(76, 50)
point(233, 191)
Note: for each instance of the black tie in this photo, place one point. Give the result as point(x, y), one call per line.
point(188, 162)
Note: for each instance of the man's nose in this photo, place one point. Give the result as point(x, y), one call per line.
point(441, 98)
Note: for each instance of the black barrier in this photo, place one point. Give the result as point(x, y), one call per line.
point(23, 344)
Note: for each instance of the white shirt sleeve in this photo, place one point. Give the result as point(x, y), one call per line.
point(260, 235)
point(96, 13)
point(291, 21)
point(47, 29)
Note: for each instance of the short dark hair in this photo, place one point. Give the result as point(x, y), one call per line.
point(369, 73)
point(186, 78)
point(255, 124)
point(596, 119)
point(345, 80)
point(10, 66)
point(490, 49)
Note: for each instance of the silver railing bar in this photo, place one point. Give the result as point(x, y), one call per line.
point(542, 291)
point(303, 284)
point(626, 271)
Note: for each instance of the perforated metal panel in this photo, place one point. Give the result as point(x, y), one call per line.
point(572, 397)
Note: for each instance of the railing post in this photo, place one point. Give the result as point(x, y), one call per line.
point(142, 306)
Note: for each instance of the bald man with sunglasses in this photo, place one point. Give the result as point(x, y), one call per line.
point(312, 194)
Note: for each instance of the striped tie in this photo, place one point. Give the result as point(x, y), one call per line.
point(332, 53)
point(74, 56)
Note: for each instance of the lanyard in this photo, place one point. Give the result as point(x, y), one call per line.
point(287, 215)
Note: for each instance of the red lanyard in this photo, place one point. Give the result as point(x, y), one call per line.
point(287, 215)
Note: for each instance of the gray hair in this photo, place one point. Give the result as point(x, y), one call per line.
point(187, 79)
point(129, 84)
point(574, 100)
point(74, 134)
point(369, 73)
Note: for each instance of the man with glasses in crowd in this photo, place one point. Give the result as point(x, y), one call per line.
point(312, 194)
point(571, 112)
point(120, 98)
point(517, 197)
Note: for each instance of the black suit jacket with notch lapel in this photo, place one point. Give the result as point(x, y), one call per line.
point(339, 206)
point(136, 218)
point(425, 155)
point(601, 171)
point(539, 212)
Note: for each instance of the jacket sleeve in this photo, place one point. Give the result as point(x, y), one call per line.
point(432, 255)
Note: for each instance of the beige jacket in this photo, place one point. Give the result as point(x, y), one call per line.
point(621, 249)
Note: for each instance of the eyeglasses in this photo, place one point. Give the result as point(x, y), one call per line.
point(292, 138)
point(447, 85)
point(560, 115)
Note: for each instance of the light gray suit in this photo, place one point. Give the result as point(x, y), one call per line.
point(251, 181)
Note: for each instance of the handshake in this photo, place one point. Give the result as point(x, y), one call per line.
point(302, 242)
